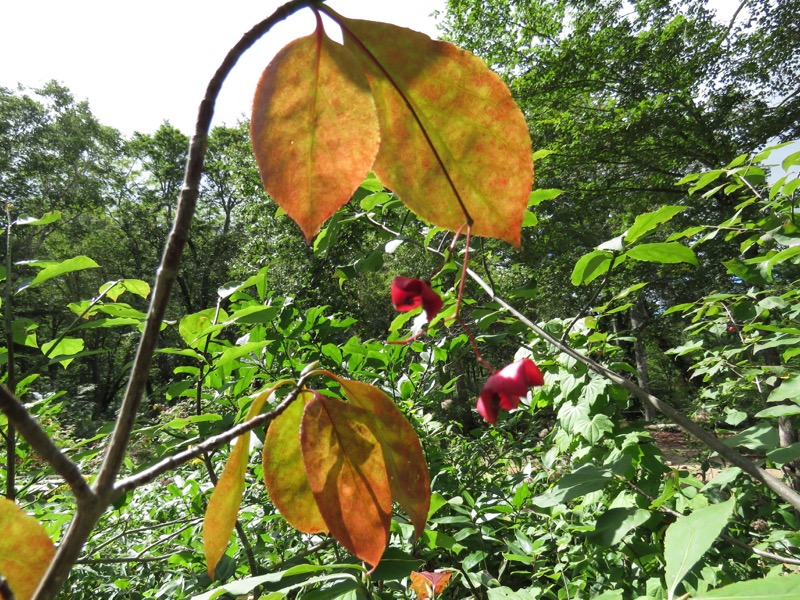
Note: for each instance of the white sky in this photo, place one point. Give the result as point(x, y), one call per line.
point(140, 63)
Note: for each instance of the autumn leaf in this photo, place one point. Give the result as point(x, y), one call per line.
point(427, 585)
point(25, 550)
point(452, 137)
point(347, 473)
point(223, 506)
point(314, 129)
point(285, 472)
point(405, 462)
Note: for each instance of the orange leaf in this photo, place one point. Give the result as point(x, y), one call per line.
point(347, 474)
point(446, 120)
point(285, 473)
point(223, 507)
point(427, 585)
point(25, 549)
point(314, 129)
point(405, 462)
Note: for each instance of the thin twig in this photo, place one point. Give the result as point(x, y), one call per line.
point(33, 433)
point(709, 439)
point(151, 473)
point(788, 560)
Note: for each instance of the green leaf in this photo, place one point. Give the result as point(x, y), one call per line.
point(787, 390)
point(538, 196)
point(758, 437)
point(664, 252)
point(395, 565)
point(114, 289)
point(779, 587)
point(583, 480)
point(781, 256)
point(613, 525)
point(70, 265)
point(590, 266)
point(784, 455)
point(647, 222)
point(596, 428)
point(66, 347)
point(45, 219)
point(784, 410)
point(791, 160)
point(689, 538)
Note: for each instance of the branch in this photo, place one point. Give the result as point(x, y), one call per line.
point(788, 560)
point(89, 512)
point(212, 443)
point(709, 439)
point(43, 445)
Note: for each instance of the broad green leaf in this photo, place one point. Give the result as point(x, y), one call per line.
point(781, 256)
point(285, 473)
point(583, 480)
point(664, 252)
point(70, 265)
point(114, 289)
point(223, 506)
point(596, 428)
point(780, 587)
point(66, 347)
point(785, 455)
point(236, 352)
point(314, 129)
point(402, 451)
point(536, 197)
point(25, 549)
point(689, 538)
point(347, 474)
point(613, 525)
point(789, 389)
point(791, 160)
point(758, 437)
point(396, 565)
point(590, 266)
point(45, 219)
point(783, 410)
point(196, 327)
point(451, 134)
point(645, 223)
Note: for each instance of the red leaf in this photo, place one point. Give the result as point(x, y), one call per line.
point(427, 585)
point(405, 461)
point(346, 471)
point(446, 121)
point(285, 472)
point(314, 129)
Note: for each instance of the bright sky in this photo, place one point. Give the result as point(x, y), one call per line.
point(140, 63)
